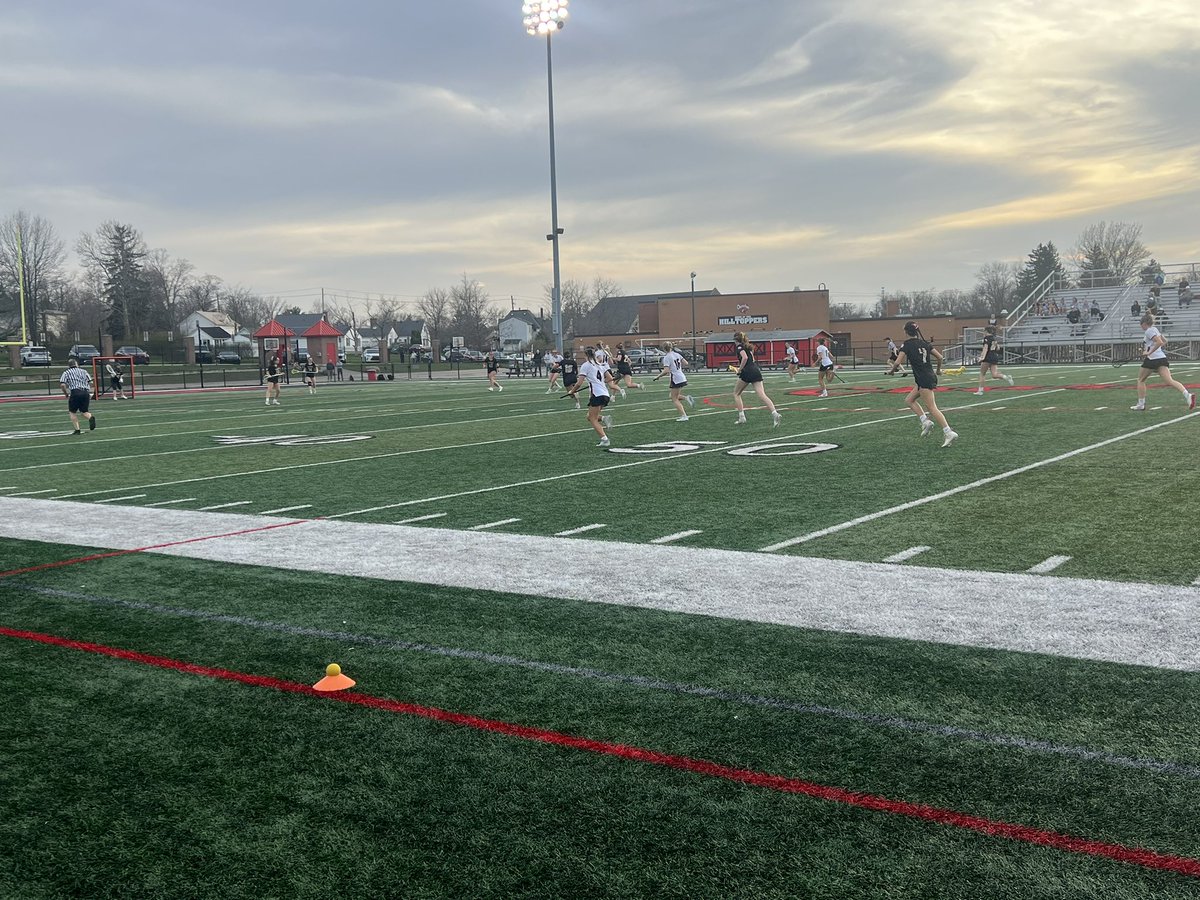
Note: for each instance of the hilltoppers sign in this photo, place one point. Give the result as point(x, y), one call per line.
point(743, 317)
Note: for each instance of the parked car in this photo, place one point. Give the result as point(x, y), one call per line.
point(461, 354)
point(83, 353)
point(231, 357)
point(35, 356)
point(371, 354)
point(204, 356)
point(140, 356)
point(645, 358)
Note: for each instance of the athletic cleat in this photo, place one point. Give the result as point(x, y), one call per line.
point(691, 401)
point(1138, 406)
point(1009, 379)
point(926, 427)
point(274, 402)
point(682, 419)
point(603, 442)
point(606, 421)
point(776, 418)
point(549, 390)
point(491, 389)
point(577, 406)
point(622, 390)
point(92, 424)
point(741, 420)
point(267, 403)
point(500, 387)
point(1191, 401)
point(979, 393)
point(950, 437)
point(76, 431)
point(823, 394)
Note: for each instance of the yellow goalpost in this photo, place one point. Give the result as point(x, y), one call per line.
point(24, 336)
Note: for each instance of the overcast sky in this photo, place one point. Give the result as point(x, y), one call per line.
point(390, 146)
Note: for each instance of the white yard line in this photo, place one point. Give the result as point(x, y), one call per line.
point(942, 495)
point(283, 509)
point(1048, 565)
point(420, 519)
point(30, 493)
point(677, 536)
point(1130, 623)
point(905, 554)
point(773, 438)
point(495, 524)
point(579, 530)
point(225, 505)
point(118, 499)
point(170, 502)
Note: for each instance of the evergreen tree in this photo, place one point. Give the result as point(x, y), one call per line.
point(1042, 261)
point(115, 254)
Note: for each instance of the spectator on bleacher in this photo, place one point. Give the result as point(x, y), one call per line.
point(1095, 310)
point(1135, 308)
point(1185, 294)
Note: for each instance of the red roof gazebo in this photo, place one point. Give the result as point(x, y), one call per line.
point(323, 335)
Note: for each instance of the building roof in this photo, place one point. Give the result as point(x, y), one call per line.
point(526, 316)
point(321, 329)
point(619, 315)
point(299, 323)
point(274, 329)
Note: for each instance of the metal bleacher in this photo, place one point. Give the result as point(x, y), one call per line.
point(1040, 329)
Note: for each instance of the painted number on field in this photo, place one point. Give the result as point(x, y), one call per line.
point(782, 449)
point(666, 447)
point(20, 435)
point(288, 440)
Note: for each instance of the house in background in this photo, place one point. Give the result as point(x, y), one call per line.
point(209, 329)
point(363, 337)
point(412, 332)
point(519, 328)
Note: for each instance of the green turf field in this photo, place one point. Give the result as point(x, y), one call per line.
point(136, 780)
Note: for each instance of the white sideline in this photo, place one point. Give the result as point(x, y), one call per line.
point(1137, 624)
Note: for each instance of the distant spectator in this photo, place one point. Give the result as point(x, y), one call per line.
point(1185, 294)
point(1135, 308)
point(1095, 310)
point(538, 356)
point(329, 367)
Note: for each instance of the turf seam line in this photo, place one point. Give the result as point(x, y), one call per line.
point(1165, 767)
point(1139, 856)
point(92, 557)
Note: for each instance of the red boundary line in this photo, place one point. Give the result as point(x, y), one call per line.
point(94, 556)
point(1150, 859)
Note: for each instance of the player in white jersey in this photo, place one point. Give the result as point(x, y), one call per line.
point(1155, 360)
point(605, 363)
point(792, 360)
point(593, 374)
point(824, 367)
point(673, 364)
point(553, 363)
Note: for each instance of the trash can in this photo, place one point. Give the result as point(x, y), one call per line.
point(372, 374)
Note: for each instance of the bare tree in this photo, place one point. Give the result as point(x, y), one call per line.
point(42, 254)
point(168, 280)
point(434, 308)
point(203, 293)
point(469, 316)
point(996, 285)
point(1113, 246)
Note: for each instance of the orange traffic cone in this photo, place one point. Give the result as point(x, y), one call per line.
point(334, 680)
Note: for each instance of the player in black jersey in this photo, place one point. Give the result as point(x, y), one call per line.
point(624, 369)
point(492, 365)
point(750, 374)
point(310, 373)
point(922, 357)
point(990, 358)
point(569, 369)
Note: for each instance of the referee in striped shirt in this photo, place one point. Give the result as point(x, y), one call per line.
point(76, 386)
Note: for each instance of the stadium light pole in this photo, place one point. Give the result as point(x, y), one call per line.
point(693, 316)
point(546, 17)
